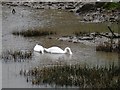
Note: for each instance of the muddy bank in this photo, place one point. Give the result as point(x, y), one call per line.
point(102, 41)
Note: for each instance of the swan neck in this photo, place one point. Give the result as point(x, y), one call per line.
point(46, 49)
point(67, 48)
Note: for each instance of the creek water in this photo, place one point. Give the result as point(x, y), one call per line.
point(61, 21)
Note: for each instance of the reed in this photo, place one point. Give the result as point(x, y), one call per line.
point(108, 47)
point(75, 75)
point(81, 33)
point(104, 47)
point(16, 55)
point(33, 33)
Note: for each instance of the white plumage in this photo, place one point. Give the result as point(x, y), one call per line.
point(58, 50)
point(39, 48)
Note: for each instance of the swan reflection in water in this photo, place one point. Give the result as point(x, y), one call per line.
point(50, 56)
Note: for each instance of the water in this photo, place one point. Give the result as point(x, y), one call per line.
point(0, 45)
point(0, 75)
point(64, 23)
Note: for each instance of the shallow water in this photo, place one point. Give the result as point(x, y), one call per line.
point(0, 45)
point(64, 23)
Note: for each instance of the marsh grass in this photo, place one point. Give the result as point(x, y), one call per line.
point(16, 55)
point(81, 33)
point(108, 47)
point(75, 75)
point(34, 32)
point(104, 47)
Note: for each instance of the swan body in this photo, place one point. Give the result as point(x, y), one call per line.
point(58, 50)
point(39, 48)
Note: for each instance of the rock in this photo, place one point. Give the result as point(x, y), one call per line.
point(85, 8)
point(90, 12)
point(64, 39)
point(86, 38)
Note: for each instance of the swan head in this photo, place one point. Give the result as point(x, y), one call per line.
point(68, 49)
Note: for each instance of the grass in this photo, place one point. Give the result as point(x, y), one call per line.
point(16, 55)
point(84, 33)
point(75, 75)
point(33, 33)
point(108, 5)
point(111, 5)
point(104, 47)
point(108, 47)
point(79, 33)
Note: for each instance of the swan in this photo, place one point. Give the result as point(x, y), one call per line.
point(58, 50)
point(39, 48)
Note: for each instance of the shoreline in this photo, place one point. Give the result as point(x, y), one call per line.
point(94, 14)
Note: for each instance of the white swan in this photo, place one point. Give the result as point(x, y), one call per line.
point(39, 48)
point(58, 50)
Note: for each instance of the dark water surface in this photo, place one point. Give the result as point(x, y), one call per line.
point(64, 23)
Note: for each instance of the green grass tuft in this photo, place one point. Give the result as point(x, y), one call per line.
point(111, 5)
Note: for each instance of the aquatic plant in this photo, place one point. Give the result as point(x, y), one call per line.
point(104, 47)
point(108, 47)
point(76, 75)
point(81, 33)
point(16, 55)
point(33, 33)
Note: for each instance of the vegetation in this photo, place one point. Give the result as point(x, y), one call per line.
point(104, 47)
point(103, 5)
point(86, 8)
point(108, 5)
point(108, 47)
point(75, 75)
point(16, 55)
point(33, 33)
point(81, 33)
point(111, 5)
